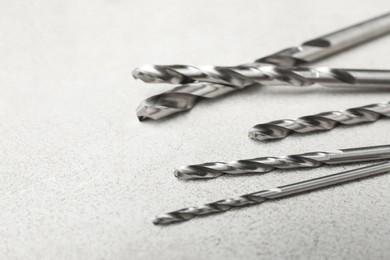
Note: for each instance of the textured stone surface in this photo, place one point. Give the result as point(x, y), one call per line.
point(80, 177)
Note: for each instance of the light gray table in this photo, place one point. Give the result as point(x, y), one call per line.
point(80, 177)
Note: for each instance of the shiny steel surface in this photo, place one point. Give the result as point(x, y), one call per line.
point(245, 75)
point(179, 99)
point(267, 164)
point(307, 52)
point(275, 193)
point(330, 44)
point(319, 122)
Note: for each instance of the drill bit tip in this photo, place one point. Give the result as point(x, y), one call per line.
point(191, 172)
point(164, 105)
point(144, 73)
point(162, 219)
point(271, 132)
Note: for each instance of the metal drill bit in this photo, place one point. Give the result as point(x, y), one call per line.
point(308, 52)
point(179, 99)
point(295, 161)
point(319, 122)
point(275, 193)
point(242, 76)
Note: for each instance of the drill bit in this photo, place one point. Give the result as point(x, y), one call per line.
point(242, 76)
point(275, 193)
point(179, 99)
point(307, 52)
point(296, 161)
point(319, 122)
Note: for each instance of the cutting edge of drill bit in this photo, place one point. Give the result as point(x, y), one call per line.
point(275, 193)
point(325, 121)
point(179, 99)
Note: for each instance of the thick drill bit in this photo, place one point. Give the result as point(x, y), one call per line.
point(242, 76)
point(275, 193)
point(308, 52)
point(266, 164)
point(179, 99)
point(319, 122)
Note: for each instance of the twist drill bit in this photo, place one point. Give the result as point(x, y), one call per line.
point(245, 75)
point(308, 52)
point(296, 161)
point(179, 99)
point(319, 122)
point(276, 193)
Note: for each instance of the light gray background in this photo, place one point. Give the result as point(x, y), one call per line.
point(81, 178)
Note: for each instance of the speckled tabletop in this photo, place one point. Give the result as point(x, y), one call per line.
point(81, 178)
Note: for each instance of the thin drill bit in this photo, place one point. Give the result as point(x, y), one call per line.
point(266, 164)
point(275, 193)
point(307, 52)
point(319, 122)
point(242, 76)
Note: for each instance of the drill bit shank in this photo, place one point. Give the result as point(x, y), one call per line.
point(266, 164)
point(319, 122)
point(276, 193)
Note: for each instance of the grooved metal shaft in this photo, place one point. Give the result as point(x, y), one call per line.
point(165, 104)
point(179, 99)
point(319, 122)
point(296, 161)
point(245, 75)
point(276, 193)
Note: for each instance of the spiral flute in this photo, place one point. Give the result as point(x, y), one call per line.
point(266, 164)
point(179, 99)
point(166, 103)
point(245, 75)
point(319, 122)
point(264, 195)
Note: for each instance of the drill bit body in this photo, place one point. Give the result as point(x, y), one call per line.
point(270, 163)
point(319, 122)
point(246, 75)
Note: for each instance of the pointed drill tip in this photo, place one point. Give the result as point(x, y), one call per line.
point(142, 118)
point(156, 220)
point(184, 174)
point(146, 111)
point(163, 219)
point(257, 135)
point(192, 172)
point(138, 73)
point(142, 113)
point(135, 73)
point(145, 74)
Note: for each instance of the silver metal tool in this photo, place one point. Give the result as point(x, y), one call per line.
point(179, 99)
point(275, 193)
point(319, 122)
point(266, 164)
point(163, 105)
point(243, 76)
